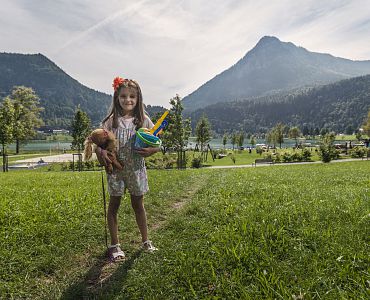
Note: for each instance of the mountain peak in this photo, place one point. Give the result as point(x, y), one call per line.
point(271, 42)
point(273, 66)
point(268, 39)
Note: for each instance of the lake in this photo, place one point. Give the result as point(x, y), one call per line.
point(42, 145)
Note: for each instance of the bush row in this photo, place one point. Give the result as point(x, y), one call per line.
point(304, 155)
point(359, 152)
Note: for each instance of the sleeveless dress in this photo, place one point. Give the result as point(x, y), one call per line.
point(134, 175)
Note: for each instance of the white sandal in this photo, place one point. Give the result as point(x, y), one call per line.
point(115, 252)
point(148, 246)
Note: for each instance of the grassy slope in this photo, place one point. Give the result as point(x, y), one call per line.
point(261, 233)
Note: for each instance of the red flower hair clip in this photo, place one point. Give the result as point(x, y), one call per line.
point(117, 82)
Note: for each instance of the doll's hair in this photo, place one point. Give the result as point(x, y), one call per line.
point(88, 148)
point(100, 137)
point(115, 109)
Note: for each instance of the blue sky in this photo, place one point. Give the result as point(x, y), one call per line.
point(174, 46)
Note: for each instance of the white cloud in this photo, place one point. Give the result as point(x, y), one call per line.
point(174, 46)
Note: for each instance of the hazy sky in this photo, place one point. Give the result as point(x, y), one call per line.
point(174, 46)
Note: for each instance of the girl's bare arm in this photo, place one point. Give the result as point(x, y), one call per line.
point(145, 152)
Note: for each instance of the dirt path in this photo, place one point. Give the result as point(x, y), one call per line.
point(103, 270)
point(49, 159)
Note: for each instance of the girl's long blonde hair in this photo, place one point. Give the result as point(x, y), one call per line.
point(115, 109)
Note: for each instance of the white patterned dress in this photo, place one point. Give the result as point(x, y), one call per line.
point(133, 176)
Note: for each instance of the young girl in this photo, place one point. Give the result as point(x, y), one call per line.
point(126, 115)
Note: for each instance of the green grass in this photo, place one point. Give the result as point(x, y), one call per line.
point(52, 226)
point(349, 137)
point(268, 233)
point(260, 233)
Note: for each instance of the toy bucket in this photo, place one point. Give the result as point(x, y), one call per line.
point(145, 139)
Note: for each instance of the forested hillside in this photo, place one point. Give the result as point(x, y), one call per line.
point(341, 106)
point(59, 93)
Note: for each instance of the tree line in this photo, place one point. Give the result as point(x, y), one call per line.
point(20, 116)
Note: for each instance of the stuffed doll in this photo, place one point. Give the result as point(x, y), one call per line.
point(107, 141)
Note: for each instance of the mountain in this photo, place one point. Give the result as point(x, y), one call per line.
point(59, 93)
point(341, 106)
point(273, 66)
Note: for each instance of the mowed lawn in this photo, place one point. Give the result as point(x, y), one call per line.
point(275, 232)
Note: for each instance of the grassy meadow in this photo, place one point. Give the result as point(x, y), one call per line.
point(278, 232)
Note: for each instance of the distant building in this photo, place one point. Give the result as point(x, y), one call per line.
point(60, 131)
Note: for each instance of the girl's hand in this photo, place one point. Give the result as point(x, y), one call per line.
point(102, 156)
point(145, 152)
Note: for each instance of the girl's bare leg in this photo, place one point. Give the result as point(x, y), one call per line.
point(137, 203)
point(112, 216)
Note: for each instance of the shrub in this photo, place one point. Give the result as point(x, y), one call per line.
point(268, 156)
point(164, 161)
point(196, 162)
point(336, 154)
point(222, 151)
point(306, 154)
point(286, 157)
point(216, 153)
point(168, 161)
point(51, 167)
point(327, 151)
point(325, 154)
point(96, 164)
point(64, 166)
point(76, 164)
point(233, 158)
point(276, 158)
point(89, 165)
point(358, 152)
point(296, 156)
point(154, 162)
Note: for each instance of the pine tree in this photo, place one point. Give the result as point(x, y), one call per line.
point(176, 135)
point(80, 129)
